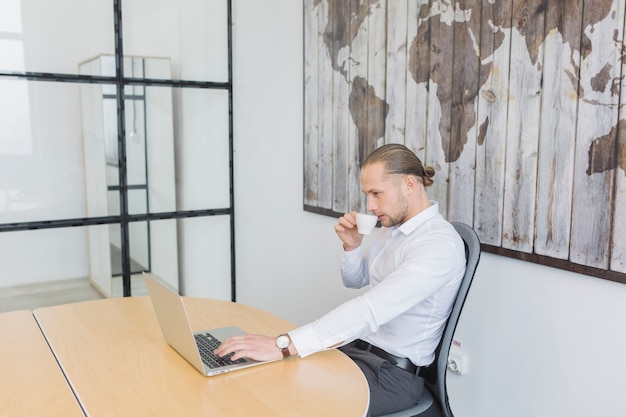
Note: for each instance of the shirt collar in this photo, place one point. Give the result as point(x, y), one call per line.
point(416, 221)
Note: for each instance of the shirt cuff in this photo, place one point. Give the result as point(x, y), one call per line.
point(303, 338)
point(352, 255)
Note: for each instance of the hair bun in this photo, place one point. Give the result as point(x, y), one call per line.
point(429, 171)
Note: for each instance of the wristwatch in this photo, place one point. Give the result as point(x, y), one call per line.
point(282, 342)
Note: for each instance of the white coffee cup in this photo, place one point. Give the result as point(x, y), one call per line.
point(365, 223)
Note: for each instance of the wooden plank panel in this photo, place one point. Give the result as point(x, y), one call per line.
point(522, 128)
point(495, 44)
point(367, 105)
point(595, 150)
point(618, 250)
point(311, 88)
point(357, 69)
point(463, 124)
point(341, 93)
point(558, 129)
point(376, 65)
point(439, 99)
point(517, 114)
point(325, 106)
point(417, 75)
point(396, 71)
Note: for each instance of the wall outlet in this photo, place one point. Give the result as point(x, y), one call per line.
point(457, 361)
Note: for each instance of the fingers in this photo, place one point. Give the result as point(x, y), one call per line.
point(235, 344)
point(348, 220)
point(249, 346)
point(345, 223)
point(346, 230)
point(227, 346)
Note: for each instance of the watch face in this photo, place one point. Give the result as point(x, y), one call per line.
point(282, 341)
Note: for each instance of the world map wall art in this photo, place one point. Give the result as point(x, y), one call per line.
point(518, 105)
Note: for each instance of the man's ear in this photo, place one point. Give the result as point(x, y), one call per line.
point(411, 183)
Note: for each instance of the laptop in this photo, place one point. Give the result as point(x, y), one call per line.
point(197, 348)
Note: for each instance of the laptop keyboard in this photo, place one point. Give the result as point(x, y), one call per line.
point(206, 345)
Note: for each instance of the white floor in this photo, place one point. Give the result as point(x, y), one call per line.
point(30, 297)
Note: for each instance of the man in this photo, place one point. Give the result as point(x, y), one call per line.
point(414, 267)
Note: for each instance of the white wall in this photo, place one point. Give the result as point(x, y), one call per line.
point(539, 341)
point(298, 265)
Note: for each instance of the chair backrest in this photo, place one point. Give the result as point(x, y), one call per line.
point(436, 375)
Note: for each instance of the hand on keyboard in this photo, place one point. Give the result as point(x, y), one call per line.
point(257, 347)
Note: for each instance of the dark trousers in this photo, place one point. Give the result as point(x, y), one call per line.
point(391, 388)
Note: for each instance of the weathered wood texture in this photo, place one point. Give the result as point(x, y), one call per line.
point(516, 104)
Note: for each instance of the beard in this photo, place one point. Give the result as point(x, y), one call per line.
point(399, 215)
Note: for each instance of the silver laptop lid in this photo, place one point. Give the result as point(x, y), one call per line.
point(178, 333)
point(174, 321)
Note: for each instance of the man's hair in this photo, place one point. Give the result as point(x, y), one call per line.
point(399, 159)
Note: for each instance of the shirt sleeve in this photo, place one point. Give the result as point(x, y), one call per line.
point(354, 269)
point(425, 269)
point(334, 328)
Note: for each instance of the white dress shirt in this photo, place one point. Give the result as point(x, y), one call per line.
point(414, 271)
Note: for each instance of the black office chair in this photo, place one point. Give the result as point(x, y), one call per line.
point(434, 401)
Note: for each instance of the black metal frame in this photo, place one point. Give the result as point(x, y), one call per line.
point(145, 186)
point(124, 218)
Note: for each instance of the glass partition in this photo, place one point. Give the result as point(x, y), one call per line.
point(153, 248)
point(202, 132)
point(54, 36)
point(193, 34)
point(42, 175)
point(47, 267)
point(205, 257)
point(132, 169)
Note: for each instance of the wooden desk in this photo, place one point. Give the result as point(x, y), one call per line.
point(31, 382)
point(115, 357)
